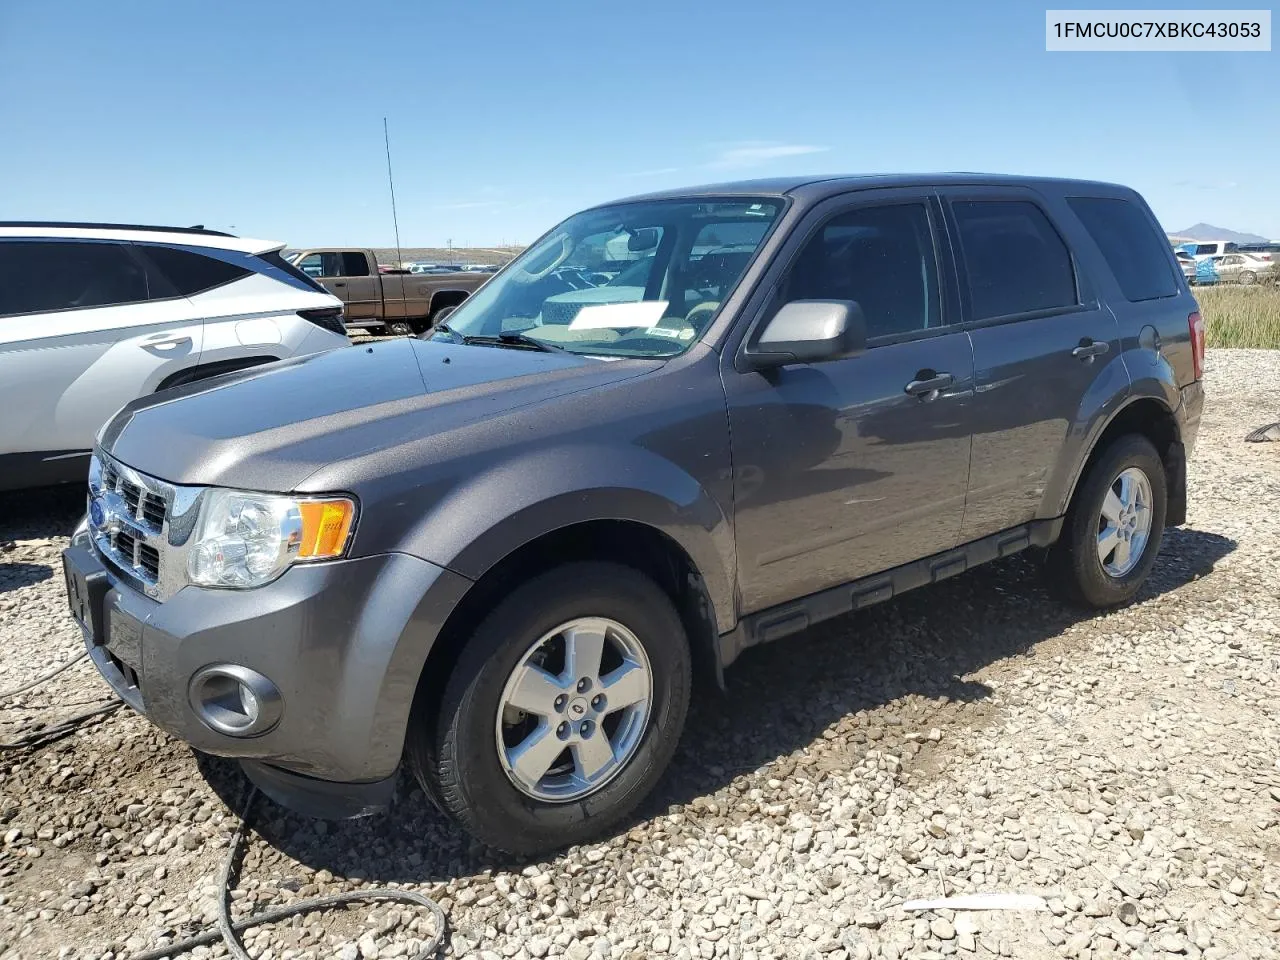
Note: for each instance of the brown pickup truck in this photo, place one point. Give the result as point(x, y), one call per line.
point(395, 301)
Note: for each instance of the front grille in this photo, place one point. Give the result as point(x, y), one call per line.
point(142, 504)
point(130, 516)
point(144, 557)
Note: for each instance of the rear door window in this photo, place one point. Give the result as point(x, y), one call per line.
point(354, 265)
point(1015, 259)
point(1136, 254)
point(191, 273)
point(42, 276)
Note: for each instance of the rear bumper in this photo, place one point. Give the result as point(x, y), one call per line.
point(342, 643)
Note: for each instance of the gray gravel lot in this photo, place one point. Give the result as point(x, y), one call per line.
point(973, 737)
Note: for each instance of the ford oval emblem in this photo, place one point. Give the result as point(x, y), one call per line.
point(96, 513)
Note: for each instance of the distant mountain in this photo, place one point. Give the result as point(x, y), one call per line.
point(1207, 231)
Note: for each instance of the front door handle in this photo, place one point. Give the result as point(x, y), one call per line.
point(1089, 349)
point(928, 383)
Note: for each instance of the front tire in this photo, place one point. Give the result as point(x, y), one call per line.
point(603, 646)
point(1113, 529)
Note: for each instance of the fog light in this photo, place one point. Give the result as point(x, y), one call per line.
point(235, 700)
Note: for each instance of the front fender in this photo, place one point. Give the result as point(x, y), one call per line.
point(517, 500)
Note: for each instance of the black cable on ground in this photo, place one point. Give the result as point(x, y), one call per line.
point(227, 928)
point(44, 678)
point(40, 736)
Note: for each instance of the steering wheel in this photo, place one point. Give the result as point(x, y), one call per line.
point(525, 275)
point(708, 308)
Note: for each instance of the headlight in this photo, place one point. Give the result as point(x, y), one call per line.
point(248, 539)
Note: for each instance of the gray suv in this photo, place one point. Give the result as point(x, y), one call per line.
point(675, 427)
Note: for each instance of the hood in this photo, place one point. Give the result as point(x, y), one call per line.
point(270, 427)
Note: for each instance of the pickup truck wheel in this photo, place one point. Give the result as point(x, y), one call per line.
point(1113, 529)
point(562, 712)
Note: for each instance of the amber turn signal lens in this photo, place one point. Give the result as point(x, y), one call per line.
point(326, 525)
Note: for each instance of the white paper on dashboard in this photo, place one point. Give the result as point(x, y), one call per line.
point(644, 313)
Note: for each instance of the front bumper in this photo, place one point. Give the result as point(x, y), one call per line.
point(343, 642)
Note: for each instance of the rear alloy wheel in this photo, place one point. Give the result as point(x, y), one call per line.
point(1113, 529)
point(1124, 523)
point(1248, 278)
point(563, 710)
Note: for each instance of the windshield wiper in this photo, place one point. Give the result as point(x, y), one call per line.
point(507, 339)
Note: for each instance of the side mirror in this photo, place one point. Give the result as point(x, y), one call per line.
point(810, 331)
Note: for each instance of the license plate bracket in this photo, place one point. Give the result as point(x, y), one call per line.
point(86, 590)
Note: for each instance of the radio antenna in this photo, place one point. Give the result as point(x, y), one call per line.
point(386, 138)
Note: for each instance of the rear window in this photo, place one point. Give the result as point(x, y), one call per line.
point(1014, 257)
point(292, 275)
point(192, 273)
point(1131, 246)
point(42, 276)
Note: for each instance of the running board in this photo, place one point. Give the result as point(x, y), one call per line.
point(797, 615)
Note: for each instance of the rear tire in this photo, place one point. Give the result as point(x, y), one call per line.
point(1100, 521)
point(1248, 278)
point(456, 746)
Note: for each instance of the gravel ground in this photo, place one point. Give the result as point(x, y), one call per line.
point(972, 737)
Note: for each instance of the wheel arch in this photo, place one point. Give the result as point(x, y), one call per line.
point(1148, 415)
point(203, 371)
point(630, 543)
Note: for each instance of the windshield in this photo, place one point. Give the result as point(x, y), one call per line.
point(634, 280)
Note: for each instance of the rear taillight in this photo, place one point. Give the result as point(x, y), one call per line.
point(1196, 326)
point(328, 317)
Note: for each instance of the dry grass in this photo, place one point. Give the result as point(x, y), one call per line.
point(1241, 316)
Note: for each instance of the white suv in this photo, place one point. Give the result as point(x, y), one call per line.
point(94, 315)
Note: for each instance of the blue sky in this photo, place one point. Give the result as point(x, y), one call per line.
point(507, 116)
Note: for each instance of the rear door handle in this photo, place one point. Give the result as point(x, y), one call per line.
point(1089, 349)
point(167, 343)
point(339, 284)
point(928, 383)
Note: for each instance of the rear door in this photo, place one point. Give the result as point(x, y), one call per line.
point(85, 327)
point(1046, 349)
point(850, 467)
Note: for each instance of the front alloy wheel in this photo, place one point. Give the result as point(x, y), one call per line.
point(574, 710)
point(563, 709)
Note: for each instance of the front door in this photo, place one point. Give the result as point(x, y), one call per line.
point(850, 467)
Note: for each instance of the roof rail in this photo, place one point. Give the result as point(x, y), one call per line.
point(113, 226)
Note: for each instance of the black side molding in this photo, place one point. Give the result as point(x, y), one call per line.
point(1175, 470)
point(798, 615)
